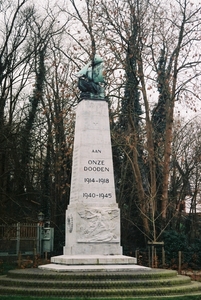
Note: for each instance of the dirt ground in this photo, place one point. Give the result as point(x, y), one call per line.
point(194, 274)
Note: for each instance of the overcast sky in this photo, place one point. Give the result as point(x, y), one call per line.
point(187, 110)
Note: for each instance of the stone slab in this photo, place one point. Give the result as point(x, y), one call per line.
point(93, 260)
point(93, 268)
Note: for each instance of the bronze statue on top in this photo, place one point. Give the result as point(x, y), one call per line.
point(91, 80)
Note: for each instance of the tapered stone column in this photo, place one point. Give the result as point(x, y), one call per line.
point(92, 217)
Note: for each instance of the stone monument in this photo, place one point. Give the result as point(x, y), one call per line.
point(92, 218)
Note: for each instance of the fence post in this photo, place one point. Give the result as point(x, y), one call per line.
point(17, 238)
point(163, 256)
point(34, 256)
point(152, 255)
point(39, 239)
point(149, 255)
point(179, 271)
point(136, 256)
point(19, 260)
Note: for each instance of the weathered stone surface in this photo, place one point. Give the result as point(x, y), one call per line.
point(94, 260)
point(92, 217)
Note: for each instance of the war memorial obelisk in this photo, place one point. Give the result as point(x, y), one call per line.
point(92, 218)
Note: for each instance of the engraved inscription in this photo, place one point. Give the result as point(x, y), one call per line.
point(93, 180)
point(99, 195)
point(96, 162)
point(92, 166)
point(99, 180)
point(98, 169)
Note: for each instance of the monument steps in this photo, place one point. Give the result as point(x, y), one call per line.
point(104, 283)
point(157, 282)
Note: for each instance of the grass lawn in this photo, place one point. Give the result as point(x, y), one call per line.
point(195, 297)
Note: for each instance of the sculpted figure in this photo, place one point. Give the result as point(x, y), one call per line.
point(91, 80)
point(96, 225)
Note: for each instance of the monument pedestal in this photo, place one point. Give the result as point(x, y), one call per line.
point(92, 217)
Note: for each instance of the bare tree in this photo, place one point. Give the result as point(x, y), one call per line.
point(152, 43)
point(25, 48)
point(14, 72)
point(185, 189)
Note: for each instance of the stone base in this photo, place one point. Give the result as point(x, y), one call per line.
point(93, 268)
point(96, 263)
point(93, 260)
